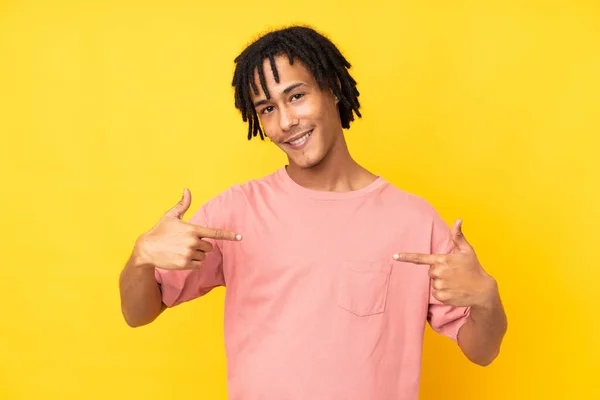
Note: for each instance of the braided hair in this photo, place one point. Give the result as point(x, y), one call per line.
point(318, 53)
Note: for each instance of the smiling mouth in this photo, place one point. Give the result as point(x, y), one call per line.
point(301, 140)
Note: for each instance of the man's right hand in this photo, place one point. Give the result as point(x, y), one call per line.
point(175, 244)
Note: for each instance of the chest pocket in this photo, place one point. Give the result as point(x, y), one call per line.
point(362, 287)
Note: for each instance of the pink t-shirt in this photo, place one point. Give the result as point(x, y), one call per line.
point(315, 306)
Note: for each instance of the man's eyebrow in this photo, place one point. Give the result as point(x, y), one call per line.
point(260, 103)
point(285, 91)
point(292, 87)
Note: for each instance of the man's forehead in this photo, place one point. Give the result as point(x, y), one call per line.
point(284, 72)
point(268, 70)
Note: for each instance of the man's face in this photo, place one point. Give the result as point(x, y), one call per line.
point(300, 118)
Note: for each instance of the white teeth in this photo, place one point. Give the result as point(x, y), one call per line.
point(301, 140)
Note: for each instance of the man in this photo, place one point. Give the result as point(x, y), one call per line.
point(331, 272)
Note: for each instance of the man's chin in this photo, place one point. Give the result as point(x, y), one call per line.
point(305, 163)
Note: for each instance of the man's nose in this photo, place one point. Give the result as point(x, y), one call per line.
point(287, 119)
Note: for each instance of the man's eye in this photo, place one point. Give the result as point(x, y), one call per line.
point(267, 110)
point(297, 96)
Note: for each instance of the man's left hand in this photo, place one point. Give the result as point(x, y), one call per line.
point(458, 279)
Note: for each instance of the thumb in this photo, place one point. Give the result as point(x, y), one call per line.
point(180, 208)
point(458, 237)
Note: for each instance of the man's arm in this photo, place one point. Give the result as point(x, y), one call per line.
point(171, 246)
point(459, 280)
point(481, 336)
point(141, 301)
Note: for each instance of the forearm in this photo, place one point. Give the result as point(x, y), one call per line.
point(141, 299)
point(481, 336)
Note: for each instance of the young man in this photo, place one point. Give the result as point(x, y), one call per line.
point(331, 272)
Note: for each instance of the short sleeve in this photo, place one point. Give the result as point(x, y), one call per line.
point(444, 319)
point(184, 285)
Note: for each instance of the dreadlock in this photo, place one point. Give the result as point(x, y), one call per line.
point(318, 53)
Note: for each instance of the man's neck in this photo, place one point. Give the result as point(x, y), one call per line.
point(338, 172)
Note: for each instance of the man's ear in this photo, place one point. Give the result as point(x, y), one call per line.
point(337, 99)
point(339, 84)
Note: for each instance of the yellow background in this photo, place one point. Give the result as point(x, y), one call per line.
point(489, 110)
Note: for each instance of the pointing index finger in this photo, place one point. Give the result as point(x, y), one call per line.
point(217, 234)
point(418, 258)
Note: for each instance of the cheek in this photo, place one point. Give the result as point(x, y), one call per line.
point(312, 109)
point(318, 112)
point(324, 111)
point(269, 127)
point(332, 110)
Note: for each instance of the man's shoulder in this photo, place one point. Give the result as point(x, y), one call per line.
point(403, 199)
point(235, 200)
point(250, 188)
point(416, 212)
point(270, 180)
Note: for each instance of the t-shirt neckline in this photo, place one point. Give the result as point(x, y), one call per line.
point(324, 194)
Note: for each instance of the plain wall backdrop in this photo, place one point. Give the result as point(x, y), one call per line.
point(490, 110)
